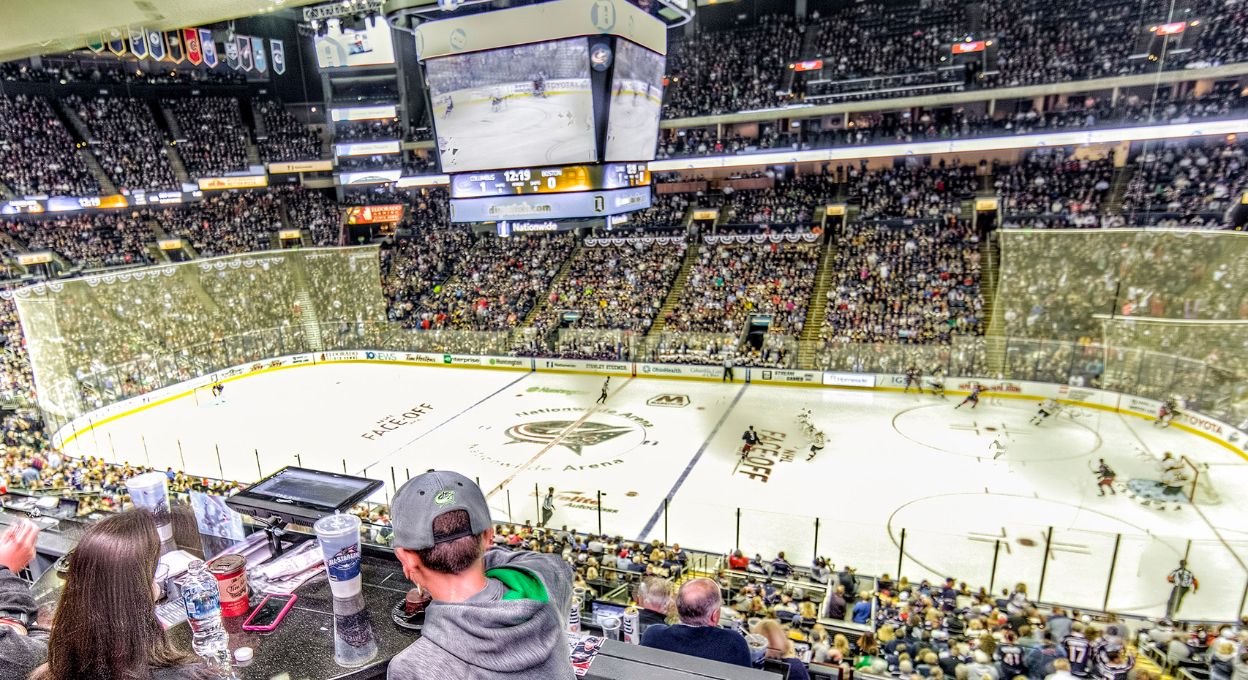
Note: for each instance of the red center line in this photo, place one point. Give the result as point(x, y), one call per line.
point(555, 442)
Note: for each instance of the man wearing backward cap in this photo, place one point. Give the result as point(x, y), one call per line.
point(495, 613)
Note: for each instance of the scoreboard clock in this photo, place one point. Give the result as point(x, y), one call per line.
point(549, 180)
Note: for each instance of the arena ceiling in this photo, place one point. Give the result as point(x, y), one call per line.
point(32, 27)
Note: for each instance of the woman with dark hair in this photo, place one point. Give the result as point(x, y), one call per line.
point(105, 627)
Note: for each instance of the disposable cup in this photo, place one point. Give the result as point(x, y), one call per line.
point(339, 537)
point(150, 491)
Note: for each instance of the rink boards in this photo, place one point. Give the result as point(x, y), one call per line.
point(1203, 426)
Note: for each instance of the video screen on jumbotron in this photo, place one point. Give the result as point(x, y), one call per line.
point(636, 102)
point(512, 107)
point(343, 47)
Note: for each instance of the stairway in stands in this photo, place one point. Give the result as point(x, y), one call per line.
point(989, 280)
point(78, 130)
point(309, 318)
point(1117, 190)
point(817, 306)
point(678, 288)
point(251, 122)
point(562, 274)
point(165, 120)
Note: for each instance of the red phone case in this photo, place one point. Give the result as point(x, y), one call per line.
point(280, 615)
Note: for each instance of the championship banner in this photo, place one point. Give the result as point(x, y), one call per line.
point(156, 45)
point(279, 55)
point(116, 41)
point(138, 42)
point(97, 44)
point(174, 41)
point(208, 47)
point(375, 214)
point(257, 50)
point(190, 38)
point(231, 54)
point(244, 52)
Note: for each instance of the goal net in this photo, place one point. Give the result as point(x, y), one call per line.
point(1200, 489)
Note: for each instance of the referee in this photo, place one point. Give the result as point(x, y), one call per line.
point(1183, 580)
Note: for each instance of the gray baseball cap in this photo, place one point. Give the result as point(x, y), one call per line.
point(426, 497)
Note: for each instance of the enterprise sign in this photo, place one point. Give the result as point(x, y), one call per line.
point(550, 206)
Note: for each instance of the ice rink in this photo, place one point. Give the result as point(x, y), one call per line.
point(664, 454)
point(557, 129)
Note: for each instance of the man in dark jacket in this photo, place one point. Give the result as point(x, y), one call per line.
point(23, 644)
point(495, 614)
point(698, 633)
point(654, 597)
point(836, 604)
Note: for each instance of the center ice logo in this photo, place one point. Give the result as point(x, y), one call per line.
point(549, 431)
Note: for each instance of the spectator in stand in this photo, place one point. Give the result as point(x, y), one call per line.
point(23, 640)
point(698, 634)
point(780, 648)
point(91, 240)
point(494, 612)
point(654, 598)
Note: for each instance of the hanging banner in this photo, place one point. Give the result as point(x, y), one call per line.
point(279, 56)
point(231, 54)
point(208, 47)
point(138, 42)
point(244, 52)
point(176, 54)
point(116, 41)
point(156, 45)
point(97, 44)
point(190, 38)
point(257, 50)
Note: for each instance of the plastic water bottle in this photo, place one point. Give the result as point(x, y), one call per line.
point(203, 611)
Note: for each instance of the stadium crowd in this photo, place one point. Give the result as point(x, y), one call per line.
point(92, 241)
point(226, 222)
point(127, 142)
point(286, 138)
point(917, 284)
point(215, 138)
point(37, 154)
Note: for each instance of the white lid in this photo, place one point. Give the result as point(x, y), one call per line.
point(243, 654)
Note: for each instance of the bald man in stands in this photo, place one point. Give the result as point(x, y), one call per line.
point(698, 633)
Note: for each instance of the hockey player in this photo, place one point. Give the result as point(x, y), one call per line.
point(936, 383)
point(217, 390)
point(816, 444)
point(450, 106)
point(1166, 413)
point(973, 397)
point(1104, 480)
point(913, 378)
point(749, 439)
point(606, 384)
point(1047, 408)
point(496, 102)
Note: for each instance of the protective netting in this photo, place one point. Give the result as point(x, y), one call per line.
point(1055, 283)
point(100, 338)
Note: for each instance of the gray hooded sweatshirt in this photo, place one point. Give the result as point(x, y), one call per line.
point(19, 654)
point(514, 628)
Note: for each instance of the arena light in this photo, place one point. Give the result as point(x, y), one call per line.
point(1064, 138)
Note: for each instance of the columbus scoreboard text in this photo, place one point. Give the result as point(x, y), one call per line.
point(549, 180)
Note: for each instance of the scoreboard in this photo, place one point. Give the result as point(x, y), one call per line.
point(549, 180)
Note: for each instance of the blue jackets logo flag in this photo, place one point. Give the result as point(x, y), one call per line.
point(208, 47)
point(190, 38)
point(174, 41)
point(116, 41)
point(156, 45)
point(138, 42)
point(244, 52)
point(257, 50)
point(231, 54)
point(279, 56)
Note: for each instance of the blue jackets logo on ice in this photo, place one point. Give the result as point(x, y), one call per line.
point(583, 435)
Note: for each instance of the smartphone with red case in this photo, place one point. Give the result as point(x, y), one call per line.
point(270, 612)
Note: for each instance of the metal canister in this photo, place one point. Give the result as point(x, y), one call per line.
point(631, 625)
point(231, 574)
